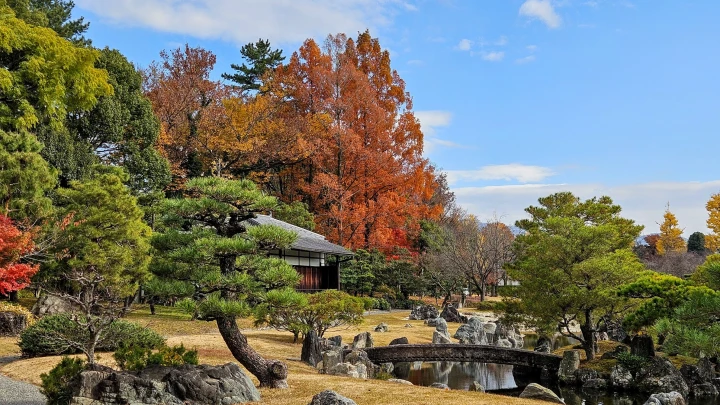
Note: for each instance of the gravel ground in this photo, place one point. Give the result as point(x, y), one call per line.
point(19, 393)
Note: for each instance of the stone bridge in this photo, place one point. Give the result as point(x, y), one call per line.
point(463, 353)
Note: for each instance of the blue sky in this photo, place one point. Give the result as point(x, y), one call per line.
point(517, 98)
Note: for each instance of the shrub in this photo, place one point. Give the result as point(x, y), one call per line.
point(497, 306)
point(368, 303)
point(631, 362)
point(56, 385)
point(51, 336)
point(136, 358)
point(382, 304)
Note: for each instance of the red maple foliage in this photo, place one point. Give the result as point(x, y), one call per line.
point(14, 244)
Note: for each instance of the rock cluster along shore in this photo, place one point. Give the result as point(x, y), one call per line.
point(183, 385)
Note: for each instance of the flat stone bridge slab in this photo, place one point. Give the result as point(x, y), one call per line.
point(463, 353)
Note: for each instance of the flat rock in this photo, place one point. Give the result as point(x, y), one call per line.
point(666, 398)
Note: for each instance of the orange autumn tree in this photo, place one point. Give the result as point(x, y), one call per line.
point(190, 108)
point(14, 246)
point(365, 178)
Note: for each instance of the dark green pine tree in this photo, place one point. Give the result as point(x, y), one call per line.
point(261, 58)
point(206, 243)
point(696, 243)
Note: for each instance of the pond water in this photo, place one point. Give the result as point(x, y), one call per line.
point(498, 378)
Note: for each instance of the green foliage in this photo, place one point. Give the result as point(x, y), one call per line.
point(25, 177)
point(43, 76)
point(694, 327)
point(358, 275)
point(659, 295)
point(631, 362)
point(709, 272)
point(53, 14)
point(50, 336)
point(295, 213)
point(121, 129)
point(207, 243)
point(571, 260)
point(137, 358)
point(57, 384)
point(696, 243)
point(300, 313)
point(382, 304)
point(496, 306)
point(261, 57)
point(106, 240)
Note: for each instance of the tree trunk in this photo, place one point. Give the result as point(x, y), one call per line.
point(270, 373)
point(482, 292)
point(589, 339)
point(152, 307)
point(13, 295)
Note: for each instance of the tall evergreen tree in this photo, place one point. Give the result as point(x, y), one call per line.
point(571, 260)
point(101, 253)
point(53, 14)
point(206, 243)
point(261, 58)
point(670, 239)
point(25, 177)
point(696, 243)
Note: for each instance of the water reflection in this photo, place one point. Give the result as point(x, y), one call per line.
point(458, 376)
point(499, 377)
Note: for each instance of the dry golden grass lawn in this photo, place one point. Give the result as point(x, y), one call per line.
point(304, 380)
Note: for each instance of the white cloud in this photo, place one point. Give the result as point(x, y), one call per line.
point(464, 44)
point(527, 59)
point(493, 56)
point(415, 62)
point(531, 48)
point(502, 41)
point(282, 21)
point(430, 121)
point(644, 203)
point(541, 10)
point(512, 171)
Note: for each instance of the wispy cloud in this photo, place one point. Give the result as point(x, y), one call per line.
point(464, 45)
point(493, 56)
point(415, 62)
point(542, 10)
point(283, 21)
point(644, 203)
point(509, 172)
point(527, 59)
point(531, 48)
point(430, 121)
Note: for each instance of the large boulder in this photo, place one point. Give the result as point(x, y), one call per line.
point(583, 375)
point(538, 392)
point(12, 323)
point(568, 365)
point(51, 305)
point(348, 370)
point(329, 397)
point(659, 375)
point(423, 312)
point(473, 332)
point(642, 345)
point(439, 338)
point(621, 378)
point(358, 358)
point(399, 341)
point(616, 332)
point(666, 398)
point(451, 314)
point(362, 341)
point(183, 385)
point(331, 358)
point(311, 349)
point(543, 345)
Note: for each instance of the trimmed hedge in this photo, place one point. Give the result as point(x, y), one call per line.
point(45, 337)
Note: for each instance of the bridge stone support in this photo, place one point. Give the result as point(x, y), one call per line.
point(463, 353)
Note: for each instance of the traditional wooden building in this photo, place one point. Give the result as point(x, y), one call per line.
point(310, 255)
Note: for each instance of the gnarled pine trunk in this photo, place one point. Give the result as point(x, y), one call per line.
point(271, 373)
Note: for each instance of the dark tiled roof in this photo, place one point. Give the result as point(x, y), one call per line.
point(307, 240)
